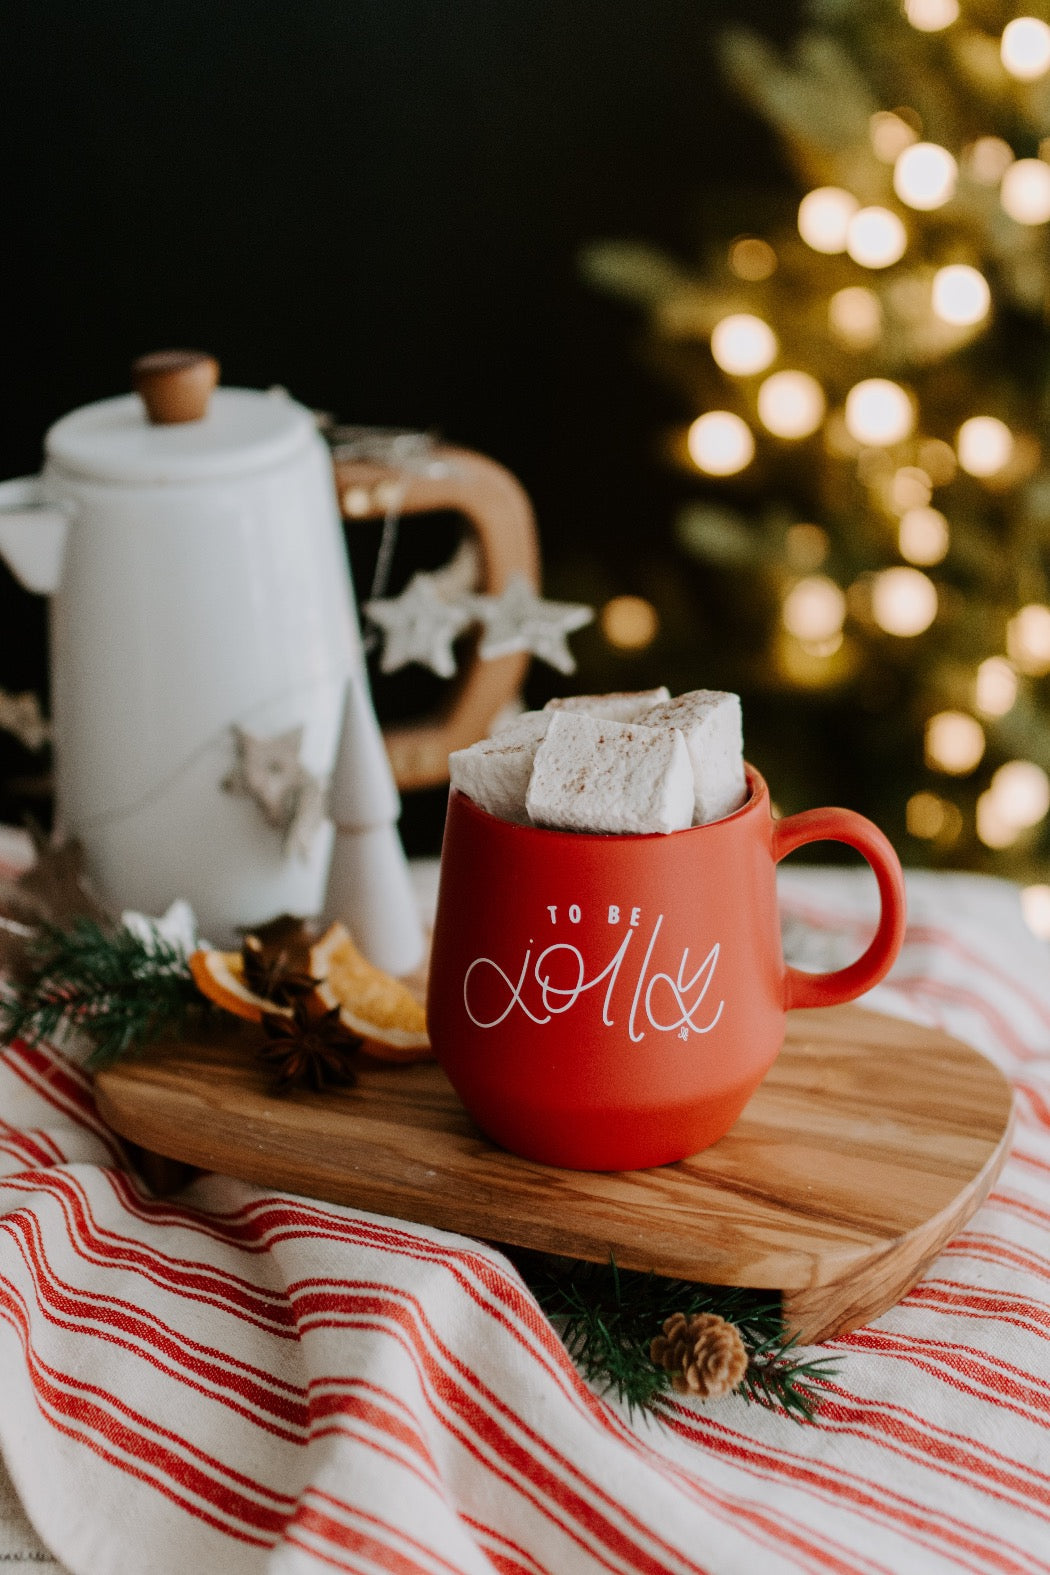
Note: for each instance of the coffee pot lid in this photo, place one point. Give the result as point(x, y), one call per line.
point(178, 426)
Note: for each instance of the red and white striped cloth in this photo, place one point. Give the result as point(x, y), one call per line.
point(244, 1381)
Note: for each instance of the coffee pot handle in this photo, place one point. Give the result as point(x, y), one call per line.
point(500, 514)
point(845, 825)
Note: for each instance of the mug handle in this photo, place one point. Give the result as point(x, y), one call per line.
point(844, 825)
point(499, 510)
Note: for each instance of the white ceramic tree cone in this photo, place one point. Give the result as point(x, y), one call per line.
point(370, 891)
point(362, 791)
point(369, 887)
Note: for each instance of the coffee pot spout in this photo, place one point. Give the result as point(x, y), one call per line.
point(32, 535)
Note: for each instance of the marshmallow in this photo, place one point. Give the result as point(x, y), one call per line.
point(709, 720)
point(508, 720)
point(617, 707)
point(495, 772)
point(592, 774)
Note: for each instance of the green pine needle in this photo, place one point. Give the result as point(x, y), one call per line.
point(608, 1317)
point(103, 982)
point(780, 1381)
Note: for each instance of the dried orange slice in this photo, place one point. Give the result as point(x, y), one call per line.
point(220, 976)
point(391, 1022)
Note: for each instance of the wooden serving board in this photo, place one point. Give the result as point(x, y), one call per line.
point(870, 1144)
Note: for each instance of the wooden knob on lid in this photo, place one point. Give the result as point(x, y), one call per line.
point(175, 385)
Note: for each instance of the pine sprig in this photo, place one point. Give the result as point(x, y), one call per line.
point(780, 1381)
point(104, 982)
point(607, 1318)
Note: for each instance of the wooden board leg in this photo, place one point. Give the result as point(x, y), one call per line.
point(827, 1310)
point(162, 1176)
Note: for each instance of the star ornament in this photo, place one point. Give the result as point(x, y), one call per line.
point(270, 772)
point(519, 620)
point(419, 626)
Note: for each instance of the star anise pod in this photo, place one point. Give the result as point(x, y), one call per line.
point(309, 1049)
point(274, 958)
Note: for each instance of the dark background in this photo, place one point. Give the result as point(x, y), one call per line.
point(380, 205)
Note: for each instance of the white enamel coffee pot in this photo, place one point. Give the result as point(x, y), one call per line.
point(214, 734)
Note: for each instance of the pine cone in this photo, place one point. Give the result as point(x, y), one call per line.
point(704, 1353)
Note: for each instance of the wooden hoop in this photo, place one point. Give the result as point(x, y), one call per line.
point(498, 509)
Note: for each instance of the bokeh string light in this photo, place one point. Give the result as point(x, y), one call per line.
point(911, 488)
point(791, 404)
point(1028, 639)
point(933, 818)
point(1025, 48)
point(937, 458)
point(955, 742)
point(924, 176)
point(879, 412)
point(890, 135)
point(720, 443)
point(984, 445)
point(931, 16)
point(752, 259)
point(629, 623)
point(1021, 791)
point(995, 687)
point(1025, 191)
point(903, 601)
point(814, 611)
point(855, 317)
point(994, 829)
point(1016, 799)
point(824, 218)
point(876, 237)
point(987, 160)
point(960, 295)
point(923, 536)
point(806, 545)
point(743, 344)
point(1035, 906)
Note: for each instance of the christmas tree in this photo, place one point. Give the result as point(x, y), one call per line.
point(865, 369)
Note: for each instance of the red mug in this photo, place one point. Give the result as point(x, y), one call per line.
point(612, 1002)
